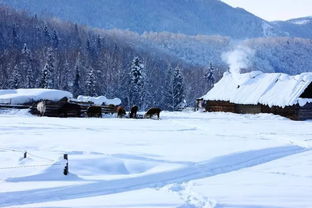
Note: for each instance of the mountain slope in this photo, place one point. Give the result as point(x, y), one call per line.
point(209, 17)
point(300, 27)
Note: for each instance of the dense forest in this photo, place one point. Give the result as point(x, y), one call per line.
point(151, 69)
point(50, 53)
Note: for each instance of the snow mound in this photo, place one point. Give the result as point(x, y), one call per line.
point(53, 173)
point(84, 166)
point(22, 96)
point(88, 165)
point(99, 100)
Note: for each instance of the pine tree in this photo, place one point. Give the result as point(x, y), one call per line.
point(91, 82)
point(55, 39)
point(76, 89)
point(178, 90)
point(47, 35)
point(15, 37)
point(16, 78)
point(168, 90)
point(174, 91)
point(137, 79)
point(149, 92)
point(48, 71)
point(76, 84)
point(124, 90)
point(209, 76)
point(26, 67)
point(67, 81)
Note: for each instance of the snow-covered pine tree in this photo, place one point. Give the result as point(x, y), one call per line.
point(48, 71)
point(209, 77)
point(137, 79)
point(26, 67)
point(91, 82)
point(149, 92)
point(178, 89)
point(124, 90)
point(47, 35)
point(76, 88)
point(67, 81)
point(168, 90)
point(175, 90)
point(16, 78)
point(55, 39)
point(76, 84)
point(15, 37)
point(174, 95)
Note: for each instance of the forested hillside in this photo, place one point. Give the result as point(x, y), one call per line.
point(56, 54)
point(270, 54)
point(192, 17)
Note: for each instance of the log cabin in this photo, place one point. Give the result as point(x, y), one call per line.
point(258, 92)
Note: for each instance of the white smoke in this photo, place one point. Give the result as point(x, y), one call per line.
point(237, 59)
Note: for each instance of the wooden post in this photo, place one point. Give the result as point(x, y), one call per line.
point(66, 166)
point(25, 155)
point(66, 169)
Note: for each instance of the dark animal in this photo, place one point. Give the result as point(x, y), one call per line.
point(94, 111)
point(133, 112)
point(121, 112)
point(151, 112)
point(69, 110)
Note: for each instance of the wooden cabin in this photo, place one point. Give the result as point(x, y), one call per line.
point(258, 92)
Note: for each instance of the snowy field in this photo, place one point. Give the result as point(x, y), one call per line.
point(184, 160)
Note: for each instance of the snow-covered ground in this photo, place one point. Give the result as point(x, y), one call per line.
point(184, 160)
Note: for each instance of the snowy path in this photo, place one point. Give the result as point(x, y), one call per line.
point(198, 170)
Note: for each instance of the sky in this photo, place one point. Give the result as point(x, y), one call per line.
point(275, 9)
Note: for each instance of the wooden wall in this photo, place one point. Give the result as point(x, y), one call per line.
point(220, 106)
point(294, 112)
point(305, 112)
point(290, 112)
point(247, 109)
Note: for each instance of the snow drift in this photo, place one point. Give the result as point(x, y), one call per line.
point(22, 96)
point(99, 100)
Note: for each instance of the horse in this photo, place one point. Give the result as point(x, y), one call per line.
point(94, 111)
point(133, 112)
point(121, 112)
point(151, 112)
point(70, 109)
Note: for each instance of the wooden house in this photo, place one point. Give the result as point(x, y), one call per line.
point(257, 92)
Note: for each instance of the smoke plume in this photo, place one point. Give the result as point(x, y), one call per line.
point(238, 59)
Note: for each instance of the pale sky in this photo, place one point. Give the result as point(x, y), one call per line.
point(275, 9)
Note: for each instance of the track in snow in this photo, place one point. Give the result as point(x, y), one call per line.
point(216, 166)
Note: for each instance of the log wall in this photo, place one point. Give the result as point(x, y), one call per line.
point(220, 106)
point(294, 112)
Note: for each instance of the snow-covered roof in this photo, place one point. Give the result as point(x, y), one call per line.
point(272, 89)
point(99, 100)
point(21, 96)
